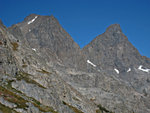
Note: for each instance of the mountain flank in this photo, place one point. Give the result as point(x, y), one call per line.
point(42, 70)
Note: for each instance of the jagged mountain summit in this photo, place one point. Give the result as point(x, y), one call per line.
point(43, 70)
point(45, 34)
point(112, 50)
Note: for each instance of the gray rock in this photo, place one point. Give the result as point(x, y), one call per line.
point(44, 63)
point(6, 103)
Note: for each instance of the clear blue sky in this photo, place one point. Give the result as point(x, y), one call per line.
point(85, 19)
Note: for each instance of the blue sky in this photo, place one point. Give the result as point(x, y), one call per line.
point(85, 19)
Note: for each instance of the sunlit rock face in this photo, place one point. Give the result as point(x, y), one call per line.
point(42, 69)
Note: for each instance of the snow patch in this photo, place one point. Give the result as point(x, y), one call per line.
point(89, 62)
point(32, 20)
point(117, 71)
point(33, 49)
point(129, 70)
point(145, 70)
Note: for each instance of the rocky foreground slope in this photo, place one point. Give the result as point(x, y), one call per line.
point(43, 70)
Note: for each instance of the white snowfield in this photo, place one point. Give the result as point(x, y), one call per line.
point(33, 49)
point(129, 70)
point(145, 70)
point(32, 20)
point(89, 62)
point(117, 71)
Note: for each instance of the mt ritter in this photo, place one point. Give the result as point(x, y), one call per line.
point(42, 70)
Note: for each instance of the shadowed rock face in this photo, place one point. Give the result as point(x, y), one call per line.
point(29, 85)
point(113, 50)
point(7, 61)
point(47, 36)
point(45, 68)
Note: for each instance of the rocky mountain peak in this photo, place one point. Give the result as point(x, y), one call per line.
point(46, 35)
point(113, 50)
point(114, 28)
point(29, 17)
point(38, 19)
point(42, 65)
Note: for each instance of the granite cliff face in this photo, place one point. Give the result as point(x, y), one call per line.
point(43, 70)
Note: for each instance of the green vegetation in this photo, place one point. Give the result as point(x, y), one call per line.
point(44, 108)
point(26, 77)
point(24, 65)
point(36, 103)
point(75, 99)
point(13, 98)
point(73, 108)
point(9, 87)
point(102, 110)
point(20, 102)
point(15, 46)
point(98, 111)
point(41, 107)
point(17, 97)
point(6, 109)
point(43, 71)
